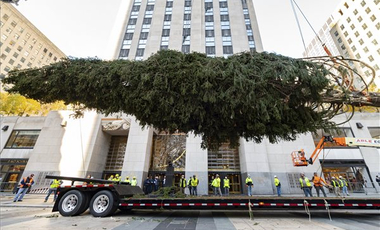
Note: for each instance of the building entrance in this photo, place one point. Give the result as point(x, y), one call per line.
point(235, 181)
point(10, 173)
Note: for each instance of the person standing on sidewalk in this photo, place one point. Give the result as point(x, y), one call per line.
point(26, 183)
point(277, 183)
point(53, 188)
point(305, 185)
point(182, 184)
point(189, 185)
point(318, 184)
point(226, 186)
point(249, 184)
point(343, 184)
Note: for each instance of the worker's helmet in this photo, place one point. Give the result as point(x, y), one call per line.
point(117, 174)
point(333, 177)
point(127, 177)
point(340, 177)
point(275, 176)
point(134, 177)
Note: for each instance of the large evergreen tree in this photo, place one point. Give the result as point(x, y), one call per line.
point(247, 95)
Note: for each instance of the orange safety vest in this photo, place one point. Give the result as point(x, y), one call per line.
point(23, 182)
point(317, 181)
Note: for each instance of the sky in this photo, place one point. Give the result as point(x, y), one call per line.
point(82, 28)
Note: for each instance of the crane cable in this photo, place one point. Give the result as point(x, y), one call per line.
point(299, 27)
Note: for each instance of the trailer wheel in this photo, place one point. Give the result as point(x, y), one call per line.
point(103, 204)
point(86, 198)
point(72, 203)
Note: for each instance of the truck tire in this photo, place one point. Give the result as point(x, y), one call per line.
point(103, 203)
point(72, 203)
point(86, 198)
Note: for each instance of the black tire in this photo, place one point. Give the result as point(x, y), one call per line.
point(103, 203)
point(86, 202)
point(72, 203)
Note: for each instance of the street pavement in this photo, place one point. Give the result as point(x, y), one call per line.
point(33, 213)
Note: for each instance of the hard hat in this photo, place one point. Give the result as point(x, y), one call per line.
point(127, 177)
point(275, 176)
point(333, 177)
point(249, 175)
point(134, 177)
point(117, 174)
point(340, 177)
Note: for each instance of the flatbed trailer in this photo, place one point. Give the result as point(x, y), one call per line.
point(104, 198)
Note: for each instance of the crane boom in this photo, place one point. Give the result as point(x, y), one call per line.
point(299, 158)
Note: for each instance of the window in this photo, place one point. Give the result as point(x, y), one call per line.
point(16, 36)
point(186, 49)
point(224, 17)
point(11, 61)
point(22, 60)
point(22, 139)
point(27, 35)
point(378, 26)
point(7, 69)
point(135, 8)
point(368, 10)
point(132, 21)
point(6, 17)
point(3, 56)
point(147, 21)
point(361, 42)
point(186, 31)
point(366, 50)
point(355, 12)
point(360, 19)
point(15, 55)
point(124, 53)
point(143, 35)
point(19, 48)
point(349, 41)
point(4, 37)
point(358, 56)
point(45, 50)
point(352, 26)
point(348, 19)
point(210, 33)
point(339, 40)
point(26, 53)
point(373, 18)
point(169, 4)
point(375, 132)
point(128, 36)
point(165, 32)
point(7, 49)
point(370, 58)
point(149, 8)
point(369, 34)
point(346, 5)
point(187, 3)
point(164, 47)
point(209, 18)
point(223, 5)
point(356, 34)
point(226, 33)
point(168, 17)
point(227, 50)
point(140, 52)
point(374, 42)
point(187, 17)
point(210, 49)
point(342, 27)
point(208, 6)
point(336, 33)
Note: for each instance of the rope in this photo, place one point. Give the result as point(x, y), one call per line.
point(328, 209)
point(250, 210)
point(298, 24)
point(306, 205)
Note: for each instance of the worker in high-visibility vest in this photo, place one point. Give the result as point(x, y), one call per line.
point(127, 180)
point(190, 186)
point(249, 184)
point(305, 185)
point(277, 183)
point(319, 182)
point(117, 178)
point(336, 184)
point(344, 185)
point(216, 186)
point(134, 181)
point(194, 185)
point(25, 184)
point(53, 188)
point(111, 178)
point(182, 184)
point(226, 186)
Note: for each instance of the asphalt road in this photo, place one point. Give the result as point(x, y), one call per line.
point(14, 218)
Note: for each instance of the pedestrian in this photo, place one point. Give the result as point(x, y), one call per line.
point(216, 186)
point(146, 185)
point(117, 178)
point(156, 182)
point(53, 188)
point(127, 181)
point(378, 179)
point(25, 184)
point(226, 186)
point(305, 185)
point(343, 185)
point(134, 181)
point(111, 178)
point(277, 183)
point(194, 185)
point(319, 182)
point(189, 186)
point(249, 184)
point(182, 184)
point(336, 185)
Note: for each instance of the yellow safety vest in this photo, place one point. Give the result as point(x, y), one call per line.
point(194, 182)
point(276, 182)
point(226, 183)
point(182, 183)
point(55, 183)
point(307, 182)
point(216, 183)
point(127, 181)
point(134, 182)
point(248, 180)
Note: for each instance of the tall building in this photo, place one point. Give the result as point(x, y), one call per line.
point(217, 28)
point(352, 31)
point(22, 44)
point(102, 146)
